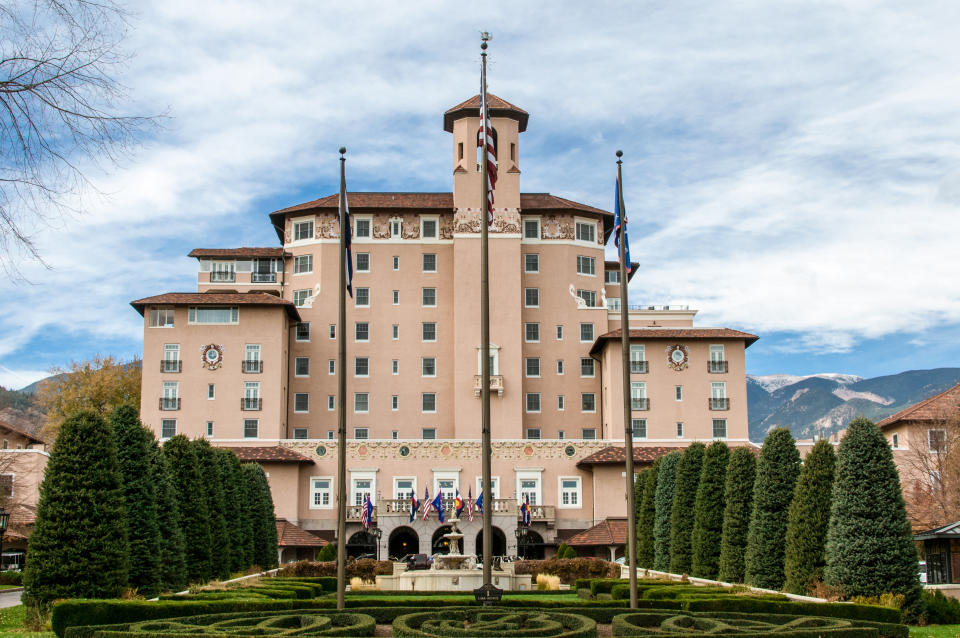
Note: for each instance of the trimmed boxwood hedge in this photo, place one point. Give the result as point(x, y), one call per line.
point(275, 623)
point(479, 622)
point(735, 626)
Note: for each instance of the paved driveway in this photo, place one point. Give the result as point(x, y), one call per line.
point(10, 598)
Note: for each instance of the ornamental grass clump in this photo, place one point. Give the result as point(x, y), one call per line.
point(546, 582)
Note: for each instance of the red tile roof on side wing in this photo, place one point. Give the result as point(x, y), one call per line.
point(936, 408)
point(217, 298)
point(290, 535)
point(271, 454)
point(609, 531)
point(244, 251)
point(614, 455)
point(675, 333)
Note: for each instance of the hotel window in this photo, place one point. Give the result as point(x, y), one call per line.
point(168, 428)
point(361, 228)
point(638, 396)
point(588, 402)
point(586, 265)
point(533, 401)
point(300, 297)
point(428, 434)
point(531, 297)
point(428, 297)
point(301, 367)
point(560, 404)
point(330, 434)
point(171, 396)
point(302, 230)
point(363, 262)
point(678, 393)
point(404, 488)
point(588, 434)
point(639, 428)
point(299, 433)
point(895, 440)
point(396, 228)
point(396, 331)
point(301, 401)
point(224, 271)
point(428, 228)
point(361, 402)
point(533, 366)
point(211, 391)
point(302, 264)
point(394, 404)
point(531, 263)
point(428, 402)
point(161, 318)
point(429, 331)
point(528, 488)
point(332, 366)
point(362, 487)
point(361, 366)
point(559, 333)
point(638, 359)
point(587, 231)
point(361, 297)
point(171, 357)
point(396, 262)
point(718, 395)
point(719, 428)
point(361, 331)
point(532, 332)
point(613, 304)
point(531, 229)
point(321, 493)
point(589, 297)
point(569, 491)
point(559, 366)
point(210, 429)
point(533, 433)
point(395, 366)
point(586, 333)
point(251, 428)
point(561, 435)
point(494, 485)
point(333, 331)
point(394, 434)
point(428, 367)
point(251, 362)
point(213, 315)
point(361, 433)
point(429, 261)
point(446, 484)
point(396, 297)
point(330, 405)
point(679, 430)
point(587, 368)
point(251, 395)
point(611, 276)
point(937, 440)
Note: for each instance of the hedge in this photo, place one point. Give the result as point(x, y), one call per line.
point(735, 626)
point(493, 622)
point(367, 569)
point(569, 569)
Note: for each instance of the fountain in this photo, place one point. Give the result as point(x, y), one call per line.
point(453, 559)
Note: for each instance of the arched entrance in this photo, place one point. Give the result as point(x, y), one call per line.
point(499, 545)
point(440, 545)
point(362, 544)
point(403, 541)
point(530, 545)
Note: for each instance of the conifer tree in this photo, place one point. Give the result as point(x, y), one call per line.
point(247, 508)
point(79, 547)
point(708, 509)
point(870, 549)
point(681, 514)
point(191, 506)
point(173, 570)
point(738, 504)
point(233, 505)
point(264, 520)
point(646, 514)
point(663, 503)
point(777, 472)
point(808, 518)
point(213, 489)
point(140, 499)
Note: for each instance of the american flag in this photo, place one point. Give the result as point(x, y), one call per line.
point(414, 506)
point(366, 516)
point(469, 503)
point(426, 503)
point(620, 215)
point(345, 228)
point(487, 137)
point(525, 511)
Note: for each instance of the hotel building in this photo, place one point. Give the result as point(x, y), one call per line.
point(249, 361)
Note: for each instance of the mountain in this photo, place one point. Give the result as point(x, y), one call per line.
point(824, 403)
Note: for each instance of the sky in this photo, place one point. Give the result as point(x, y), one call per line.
point(791, 169)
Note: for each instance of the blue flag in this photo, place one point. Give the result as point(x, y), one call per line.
point(480, 501)
point(438, 504)
point(414, 506)
point(618, 214)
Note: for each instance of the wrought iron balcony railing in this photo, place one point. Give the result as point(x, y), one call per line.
point(639, 367)
point(170, 365)
point(252, 366)
point(264, 278)
point(719, 404)
point(222, 276)
point(250, 404)
point(717, 367)
point(169, 403)
point(639, 404)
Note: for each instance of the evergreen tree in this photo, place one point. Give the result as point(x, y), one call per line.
point(233, 504)
point(191, 506)
point(328, 553)
point(217, 521)
point(681, 514)
point(173, 569)
point(708, 512)
point(646, 514)
point(263, 518)
point(777, 472)
point(808, 518)
point(79, 547)
point(140, 499)
point(870, 549)
point(738, 504)
point(663, 503)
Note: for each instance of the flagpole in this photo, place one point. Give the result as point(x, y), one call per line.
point(485, 328)
point(627, 414)
point(342, 396)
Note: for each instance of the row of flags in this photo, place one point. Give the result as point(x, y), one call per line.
point(436, 505)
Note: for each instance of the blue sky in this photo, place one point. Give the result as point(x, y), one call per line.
point(791, 169)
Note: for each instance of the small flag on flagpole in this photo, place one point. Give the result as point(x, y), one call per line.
point(426, 503)
point(366, 516)
point(620, 215)
point(414, 506)
point(458, 504)
point(438, 504)
point(485, 140)
point(525, 511)
point(480, 502)
point(470, 503)
point(345, 228)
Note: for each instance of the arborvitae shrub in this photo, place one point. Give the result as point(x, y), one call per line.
point(140, 499)
point(738, 504)
point(191, 506)
point(708, 512)
point(570, 553)
point(329, 552)
point(173, 570)
point(808, 518)
point(777, 472)
point(262, 517)
point(681, 515)
point(663, 504)
point(232, 502)
point(79, 548)
point(646, 515)
point(870, 549)
point(213, 488)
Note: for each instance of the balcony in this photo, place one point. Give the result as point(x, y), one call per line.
point(263, 278)
point(501, 507)
point(222, 276)
point(496, 384)
point(719, 404)
point(251, 366)
point(248, 404)
point(639, 367)
point(639, 404)
point(717, 367)
point(169, 403)
point(169, 365)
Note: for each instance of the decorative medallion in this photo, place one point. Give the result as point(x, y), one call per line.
point(528, 450)
point(321, 450)
point(362, 450)
point(211, 356)
point(404, 451)
point(569, 450)
point(445, 450)
point(678, 357)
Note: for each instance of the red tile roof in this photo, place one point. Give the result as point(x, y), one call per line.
point(614, 455)
point(289, 535)
point(9, 426)
point(273, 454)
point(935, 408)
point(676, 333)
point(217, 298)
point(609, 531)
point(244, 251)
point(498, 108)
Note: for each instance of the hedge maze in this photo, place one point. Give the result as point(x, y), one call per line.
point(306, 623)
point(481, 623)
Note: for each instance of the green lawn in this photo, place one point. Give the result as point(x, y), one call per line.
point(11, 624)
point(936, 631)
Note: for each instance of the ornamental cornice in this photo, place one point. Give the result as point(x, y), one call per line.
point(447, 450)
